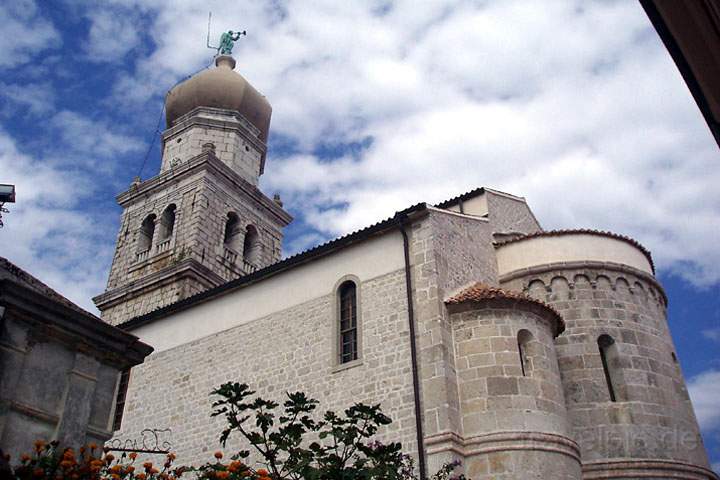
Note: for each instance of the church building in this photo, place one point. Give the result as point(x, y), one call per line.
point(521, 352)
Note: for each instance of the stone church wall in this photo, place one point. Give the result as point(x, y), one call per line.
point(514, 422)
point(287, 350)
point(652, 417)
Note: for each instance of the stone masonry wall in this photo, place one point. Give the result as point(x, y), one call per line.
point(514, 425)
point(510, 215)
point(186, 140)
point(286, 351)
point(652, 417)
point(203, 201)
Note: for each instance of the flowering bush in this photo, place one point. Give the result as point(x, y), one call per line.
point(342, 449)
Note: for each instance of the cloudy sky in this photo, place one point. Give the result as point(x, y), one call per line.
point(574, 105)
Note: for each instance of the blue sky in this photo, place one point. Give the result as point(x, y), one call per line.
point(376, 105)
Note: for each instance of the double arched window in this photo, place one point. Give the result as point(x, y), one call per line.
point(347, 322)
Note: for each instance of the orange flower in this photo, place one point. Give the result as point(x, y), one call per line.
point(68, 454)
point(115, 476)
point(223, 475)
point(262, 472)
point(116, 468)
point(133, 456)
point(171, 456)
point(154, 471)
point(218, 455)
point(147, 465)
point(92, 446)
point(39, 444)
point(140, 476)
point(130, 469)
point(24, 457)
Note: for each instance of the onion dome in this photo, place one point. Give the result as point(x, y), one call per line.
point(220, 87)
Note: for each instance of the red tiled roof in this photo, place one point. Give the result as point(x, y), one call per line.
point(480, 291)
point(586, 231)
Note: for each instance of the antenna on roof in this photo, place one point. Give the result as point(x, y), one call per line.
point(208, 32)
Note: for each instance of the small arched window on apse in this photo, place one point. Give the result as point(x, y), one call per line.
point(232, 235)
point(347, 322)
point(251, 246)
point(167, 222)
point(524, 338)
point(610, 359)
point(146, 233)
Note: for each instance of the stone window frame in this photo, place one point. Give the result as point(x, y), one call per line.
point(120, 399)
point(163, 234)
point(610, 359)
point(141, 233)
point(233, 242)
point(525, 339)
point(337, 365)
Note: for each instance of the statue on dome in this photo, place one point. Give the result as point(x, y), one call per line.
point(227, 41)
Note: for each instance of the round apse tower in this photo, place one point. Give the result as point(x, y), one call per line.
point(625, 394)
point(514, 420)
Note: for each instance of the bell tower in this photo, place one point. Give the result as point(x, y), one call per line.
point(202, 221)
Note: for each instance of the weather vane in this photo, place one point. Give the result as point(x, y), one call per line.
point(227, 39)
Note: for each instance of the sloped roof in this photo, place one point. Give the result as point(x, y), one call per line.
point(584, 231)
point(299, 258)
point(480, 292)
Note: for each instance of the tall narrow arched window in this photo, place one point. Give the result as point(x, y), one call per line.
point(147, 231)
point(611, 365)
point(523, 340)
point(232, 235)
point(167, 222)
point(347, 322)
point(251, 246)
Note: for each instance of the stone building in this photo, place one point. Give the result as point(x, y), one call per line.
point(60, 367)
point(521, 352)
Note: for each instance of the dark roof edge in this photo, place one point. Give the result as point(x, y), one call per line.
point(46, 310)
point(682, 64)
point(281, 266)
point(461, 198)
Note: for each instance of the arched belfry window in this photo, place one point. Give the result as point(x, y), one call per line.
point(251, 246)
point(167, 222)
point(147, 231)
point(610, 359)
point(232, 237)
point(523, 340)
point(347, 322)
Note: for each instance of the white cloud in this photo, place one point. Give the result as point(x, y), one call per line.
point(31, 98)
point(704, 391)
point(52, 237)
point(93, 139)
point(712, 334)
point(24, 32)
point(113, 33)
point(572, 99)
point(554, 99)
